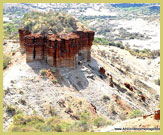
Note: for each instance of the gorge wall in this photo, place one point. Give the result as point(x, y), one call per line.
point(57, 50)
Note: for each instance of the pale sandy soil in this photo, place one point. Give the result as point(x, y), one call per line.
point(145, 125)
point(151, 29)
point(82, 83)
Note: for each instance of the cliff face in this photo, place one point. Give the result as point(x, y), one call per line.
point(22, 34)
point(85, 43)
point(57, 50)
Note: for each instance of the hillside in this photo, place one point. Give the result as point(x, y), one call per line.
point(80, 89)
point(51, 22)
point(119, 85)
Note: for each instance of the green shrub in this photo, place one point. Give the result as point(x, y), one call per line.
point(99, 122)
point(11, 110)
point(37, 123)
point(54, 81)
point(119, 44)
point(6, 61)
point(53, 22)
point(55, 124)
point(52, 111)
point(100, 41)
point(81, 126)
point(135, 113)
point(10, 30)
point(43, 72)
point(112, 43)
point(80, 103)
point(145, 53)
point(157, 82)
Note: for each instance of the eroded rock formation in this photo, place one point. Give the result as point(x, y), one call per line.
point(127, 85)
point(102, 71)
point(157, 115)
point(22, 34)
point(57, 50)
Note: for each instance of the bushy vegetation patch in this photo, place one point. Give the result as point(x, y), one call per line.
point(118, 44)
point(10, 30)
point(145, 53)
point(100, 41)
point(43, 72)
point(135, 113)
point(51, 22)
point(35, 123)
point(6, 61)
point(157, 82)
point(104, 41)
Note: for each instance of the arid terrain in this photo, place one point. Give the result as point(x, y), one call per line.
point(119, 86)
point(26, 89)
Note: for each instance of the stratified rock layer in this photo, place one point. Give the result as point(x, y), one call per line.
point(22, 34)
point(57, 50)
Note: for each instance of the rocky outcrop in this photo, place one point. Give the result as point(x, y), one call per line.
point(102, 71)
point(85, 43)
point(157, 115)
point(110, 80)
point(22, 34)
point(57, 50)
point(127, 85)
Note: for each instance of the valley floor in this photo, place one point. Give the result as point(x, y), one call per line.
point(84, 88)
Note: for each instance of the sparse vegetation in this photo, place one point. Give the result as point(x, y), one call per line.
point(135, 113)
point(54, 80)
point(100, 41)
point(145, 53)
point(10, 30)
point(52, 111)
point(118, 44)
point(70, 111)
point(34, 123)
point(6, 61)
point(106, 98)
point(104, 41)
point(100, 122)
point(43, 72)
point(51, 22)
point(157, 82)
point(12, 110)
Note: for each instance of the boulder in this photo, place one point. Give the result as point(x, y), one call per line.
point(127, 85)
point(102, 71)
point(157, 115)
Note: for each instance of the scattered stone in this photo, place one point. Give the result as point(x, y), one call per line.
point(73, 116)
point(12, 81)
point(68, 111)
point(94, 107)
point(157, 97)
point(61, 103)
point(110, 80)
point(128, 86)
point(142, 97)
point(102, 71)
point(13, 53)
point(22, 101)
point(7, 91)
point(11, 111)
point(91, 77)
point(106, 99)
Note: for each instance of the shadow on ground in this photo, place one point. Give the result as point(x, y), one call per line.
point(78, 78)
